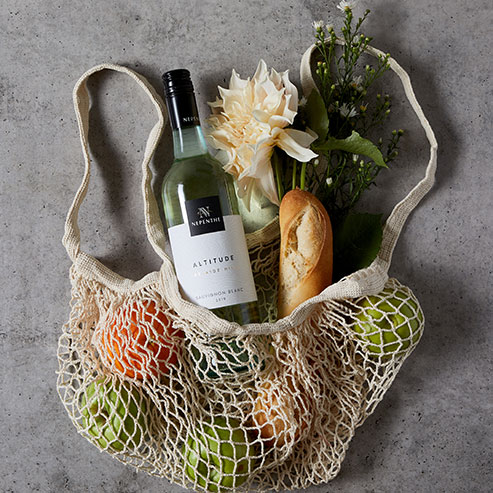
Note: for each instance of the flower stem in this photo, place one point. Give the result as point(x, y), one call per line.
point(277, 172)
point(302, 176)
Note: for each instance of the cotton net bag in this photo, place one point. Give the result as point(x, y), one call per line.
point(169, 388)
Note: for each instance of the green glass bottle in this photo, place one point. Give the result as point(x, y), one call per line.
point(201, 209)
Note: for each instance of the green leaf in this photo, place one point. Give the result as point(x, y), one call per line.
point(357, 241)
point(316, 115)
point(355, 144)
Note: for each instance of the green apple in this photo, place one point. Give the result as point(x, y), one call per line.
point(218, 455)
point(223, 359)
point(389, 322)
point(114, 412)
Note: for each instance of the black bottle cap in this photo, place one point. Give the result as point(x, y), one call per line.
point(180, 98)
point(177, 81)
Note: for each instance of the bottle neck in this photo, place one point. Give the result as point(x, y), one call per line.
point(188, 139)
point(188, 142)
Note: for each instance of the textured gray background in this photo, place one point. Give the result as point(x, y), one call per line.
point(433, 430)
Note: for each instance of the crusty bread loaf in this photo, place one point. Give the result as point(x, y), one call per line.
point(305, 263)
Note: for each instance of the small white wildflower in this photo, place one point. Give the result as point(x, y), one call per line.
point(317, 25)
point(303, 101)
point(329, 27)
point(346, 111)
point(328, 181)
point(355, 157)
point(357, 82)
point(346, 4)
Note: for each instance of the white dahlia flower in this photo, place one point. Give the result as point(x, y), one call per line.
point(249, 120)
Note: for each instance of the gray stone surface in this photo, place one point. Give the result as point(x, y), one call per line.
point(434, 430)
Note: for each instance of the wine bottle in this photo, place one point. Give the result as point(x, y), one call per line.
point(201, 209)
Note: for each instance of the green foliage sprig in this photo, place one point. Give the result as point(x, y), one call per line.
point(342, 118)
point(342, 115)
point(352, 161)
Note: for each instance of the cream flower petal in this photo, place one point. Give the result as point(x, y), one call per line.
point(303, 138)
point(275, 77)
point(287, 112)
point(266, 93)
point(261, 72)
point(220, 140)
point(263, 169)
point(311, 133)
point(235, 82)
point(230, 98)
point(291, 91)
point(279, 121)
point(261, 116)
point(245, 188)
point(268, 185)
point(292, 142)
point(223, 157)
point(218, 103)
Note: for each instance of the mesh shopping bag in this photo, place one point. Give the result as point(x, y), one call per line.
point(168, 387)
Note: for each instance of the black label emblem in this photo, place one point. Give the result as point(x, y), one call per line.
point(204, 215)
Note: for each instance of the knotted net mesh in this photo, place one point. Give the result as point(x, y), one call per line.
point(243, 413)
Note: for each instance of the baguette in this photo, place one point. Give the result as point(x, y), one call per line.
point(305, 263)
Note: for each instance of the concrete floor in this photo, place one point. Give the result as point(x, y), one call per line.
point(433, 432)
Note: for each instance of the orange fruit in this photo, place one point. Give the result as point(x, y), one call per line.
point(140, 341)
point(279, 413)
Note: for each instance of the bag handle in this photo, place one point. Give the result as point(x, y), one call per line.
point(154, 227)
point(395, 222)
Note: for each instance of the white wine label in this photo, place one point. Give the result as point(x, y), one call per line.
point(213, 269)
